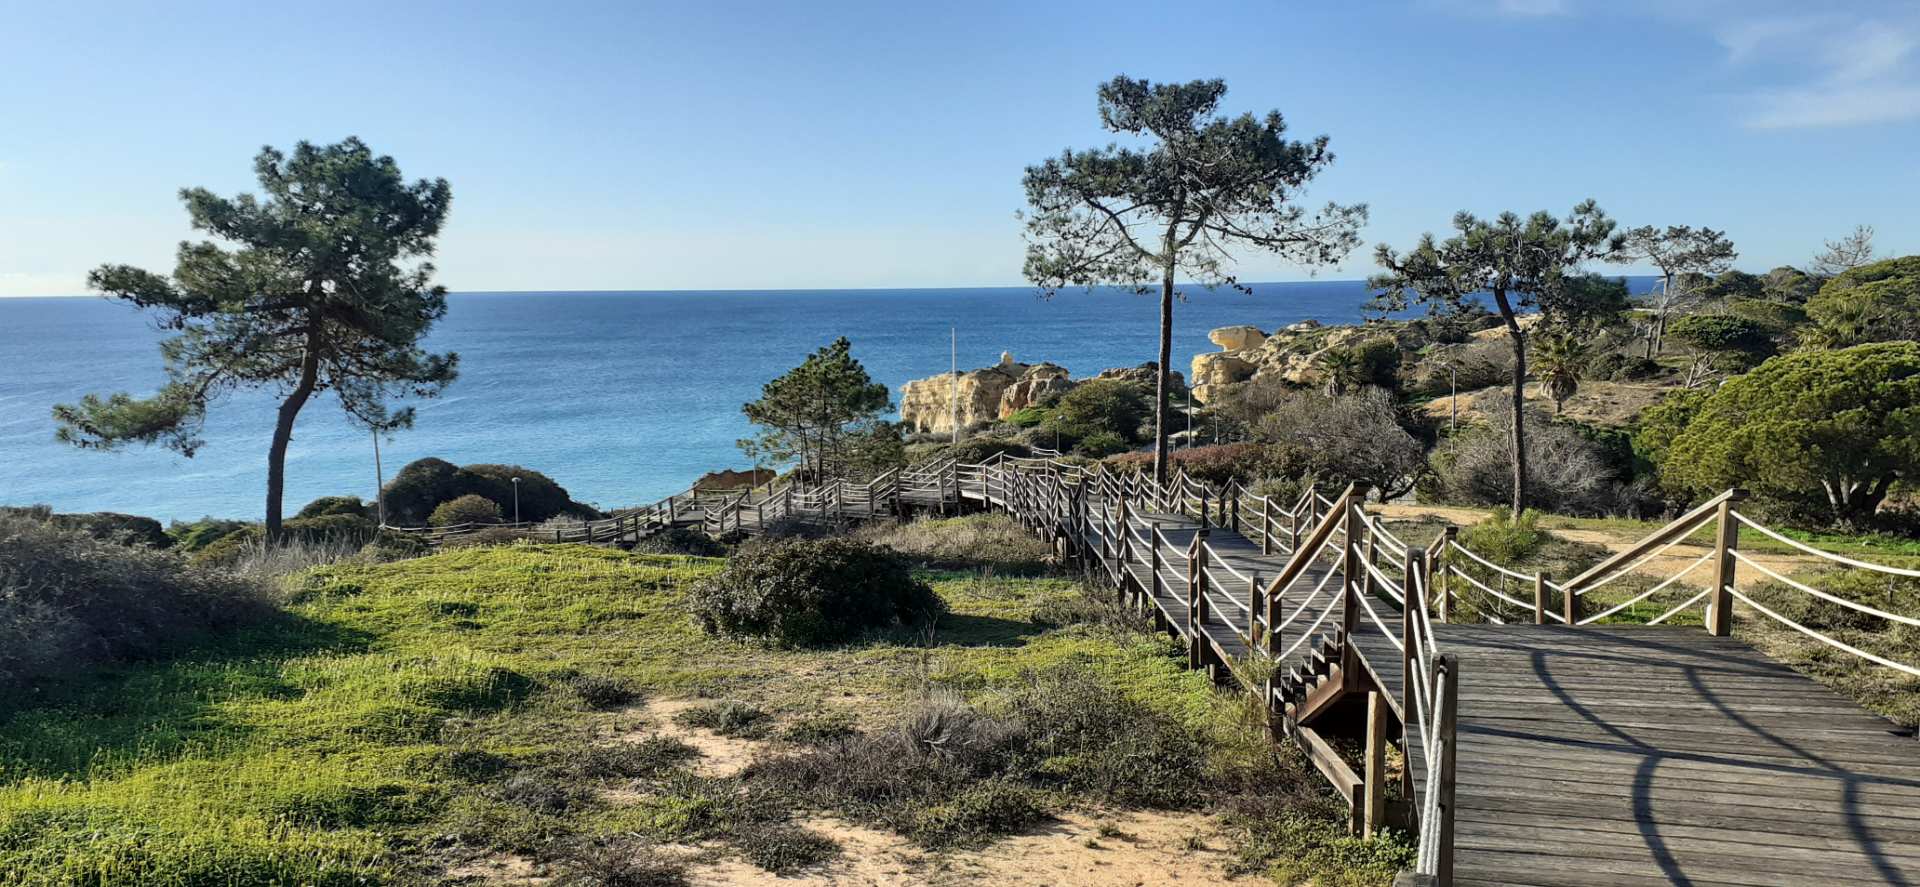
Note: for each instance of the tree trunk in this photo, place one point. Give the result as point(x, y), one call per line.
point(1161, 394)
point(1519, 429)
point(283, 433)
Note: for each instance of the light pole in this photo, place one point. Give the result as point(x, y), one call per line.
point(516, 500)
point(379, 481)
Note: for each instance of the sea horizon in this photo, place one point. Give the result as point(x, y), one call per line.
point(622, 396)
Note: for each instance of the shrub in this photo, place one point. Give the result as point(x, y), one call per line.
point(191, 537)
point(468, 509)
point(68, 599)
point(648, 757)
point(425, 484)
point(806, 592)
point(967, 452)
point(348, 529)
point(1566, 472)
point(975, 541)
point(1113, 407)
point(726, 718)
point(1100, 444)
point(619, 862)
point(1504, 538)
point(681, 540)
point(602, 691)
point(1215, 464)
point(106, 526)
point(1734, 343)
point(1356, 439)
point(331, 505)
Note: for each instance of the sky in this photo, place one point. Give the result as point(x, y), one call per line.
point(719, 145)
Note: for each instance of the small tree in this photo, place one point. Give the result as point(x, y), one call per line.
point(1730, 342)
point(1520, 263)
point(1682, 253)
point(1836, 427)
point(316, 295)
point(1845, 254)
point(1559, 360)
point(1356, 438)
point(1131, 217)
point(1872, 303)
point(809, 414)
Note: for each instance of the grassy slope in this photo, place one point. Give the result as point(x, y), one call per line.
point(350, 742)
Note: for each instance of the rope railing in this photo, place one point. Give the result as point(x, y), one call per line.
point(1828, 555)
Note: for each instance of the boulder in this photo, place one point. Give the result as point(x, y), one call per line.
point(729, 479)
point(1212, 372)
point(1233, 338)
point(1146, 374)
point(1038, 383)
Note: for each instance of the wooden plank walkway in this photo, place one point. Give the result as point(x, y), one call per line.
point(1613, 755)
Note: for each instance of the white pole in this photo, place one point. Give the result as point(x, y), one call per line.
point(954, 384)
point(379, 481)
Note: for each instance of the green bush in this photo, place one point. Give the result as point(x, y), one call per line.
point(803, 592)
point(1215, 465)
point(68, 599)
point(425, 484)
point(191, 537)
point(326, 506)
point(967, 452)
point(468, 509)
point(340, 527)
point(106, 526)
point(1101, 444)
point(1505, 539)
point(1106, 408)
point(1029, 417)
point(977, 541)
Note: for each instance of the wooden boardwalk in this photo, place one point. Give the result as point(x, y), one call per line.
point(1580, 756)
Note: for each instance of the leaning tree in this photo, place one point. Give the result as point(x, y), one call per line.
point(1199, 187)
point(1683, 254)
point(1520, 263)
point(824, 413)
point(322, 286)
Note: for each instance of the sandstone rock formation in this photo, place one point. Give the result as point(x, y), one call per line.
point(730, 479)
point(993, 393)
point(1246, 354)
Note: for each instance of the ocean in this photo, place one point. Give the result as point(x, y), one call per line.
point(621, 397)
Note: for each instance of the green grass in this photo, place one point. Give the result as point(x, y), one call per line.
point(401, 717)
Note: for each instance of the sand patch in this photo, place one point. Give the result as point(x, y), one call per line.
point(719, 755)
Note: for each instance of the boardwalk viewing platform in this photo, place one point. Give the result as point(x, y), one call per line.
point(1560, 749)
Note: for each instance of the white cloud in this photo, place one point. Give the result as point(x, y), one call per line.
point(1839, 70)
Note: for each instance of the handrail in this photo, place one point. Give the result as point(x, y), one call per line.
point(1680, 528)
point(1836, 558)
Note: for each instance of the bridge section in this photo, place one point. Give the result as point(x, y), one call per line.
point(1578, 753)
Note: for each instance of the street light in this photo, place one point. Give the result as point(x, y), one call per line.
point(516, 500)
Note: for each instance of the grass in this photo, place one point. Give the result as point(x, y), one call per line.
point(401, 718)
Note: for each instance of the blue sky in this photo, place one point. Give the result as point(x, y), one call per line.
point(791, 145)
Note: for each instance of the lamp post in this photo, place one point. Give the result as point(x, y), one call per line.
point(516, 500)
point(379, 481)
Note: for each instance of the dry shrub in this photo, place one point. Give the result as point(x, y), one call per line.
point(68, 600)
point(1566, 472)
point(991, 541)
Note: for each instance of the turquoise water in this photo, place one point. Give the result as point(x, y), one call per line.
point(621, 397)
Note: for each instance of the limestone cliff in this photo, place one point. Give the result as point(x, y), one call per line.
point(1246, 353)
point(993, 393)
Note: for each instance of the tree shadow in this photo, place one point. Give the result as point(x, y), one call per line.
point(106, 718)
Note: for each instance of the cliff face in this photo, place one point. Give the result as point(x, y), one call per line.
point(994, 393)
point(1246, 353)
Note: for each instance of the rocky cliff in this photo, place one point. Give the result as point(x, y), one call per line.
point(993, 393)
point(1246, 353)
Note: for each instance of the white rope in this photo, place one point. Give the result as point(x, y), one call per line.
point(1308, 633)
point(1631, 567)
point(1368, 606)
point(1483, 587)
point(1836, 644)
point(1677, 610)
point(1871, 611)
point(1649, 592)
point(1836, 558)
point(1489, 564)
point(1393, 588)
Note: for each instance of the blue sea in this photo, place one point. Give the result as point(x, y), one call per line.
point(622, 397)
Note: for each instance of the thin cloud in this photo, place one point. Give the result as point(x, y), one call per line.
point(1852, 71)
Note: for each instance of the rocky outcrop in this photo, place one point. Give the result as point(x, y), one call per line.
point(729, 479)
point(1246, 354)
point(993, 393)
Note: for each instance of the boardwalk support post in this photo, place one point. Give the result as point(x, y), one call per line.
point(1197, 600)
point(1540, 599)
point(1351, 570)
point(1448, 687)
point(1726, 541)
point(1446, 573)
point(1570, 601)
point(1374, 803)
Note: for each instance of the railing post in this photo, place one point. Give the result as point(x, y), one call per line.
point(1540, 599)
point(1293, 532)
point(673, 511)
point(1266, 525)
point(1374, 811)
point(1254, 610)
point(1413, 578)
point(1446, 573)
point(1197, 599)
point(1153, 563)
point(1350, 568)
point(1726, 541)
point(1448, 705)
point(1570, 604)
point(1371, 558)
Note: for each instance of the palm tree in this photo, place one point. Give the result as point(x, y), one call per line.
point(1340, 369)
point(1557, 361)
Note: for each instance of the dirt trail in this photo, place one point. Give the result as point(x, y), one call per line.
point(1672, 561)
